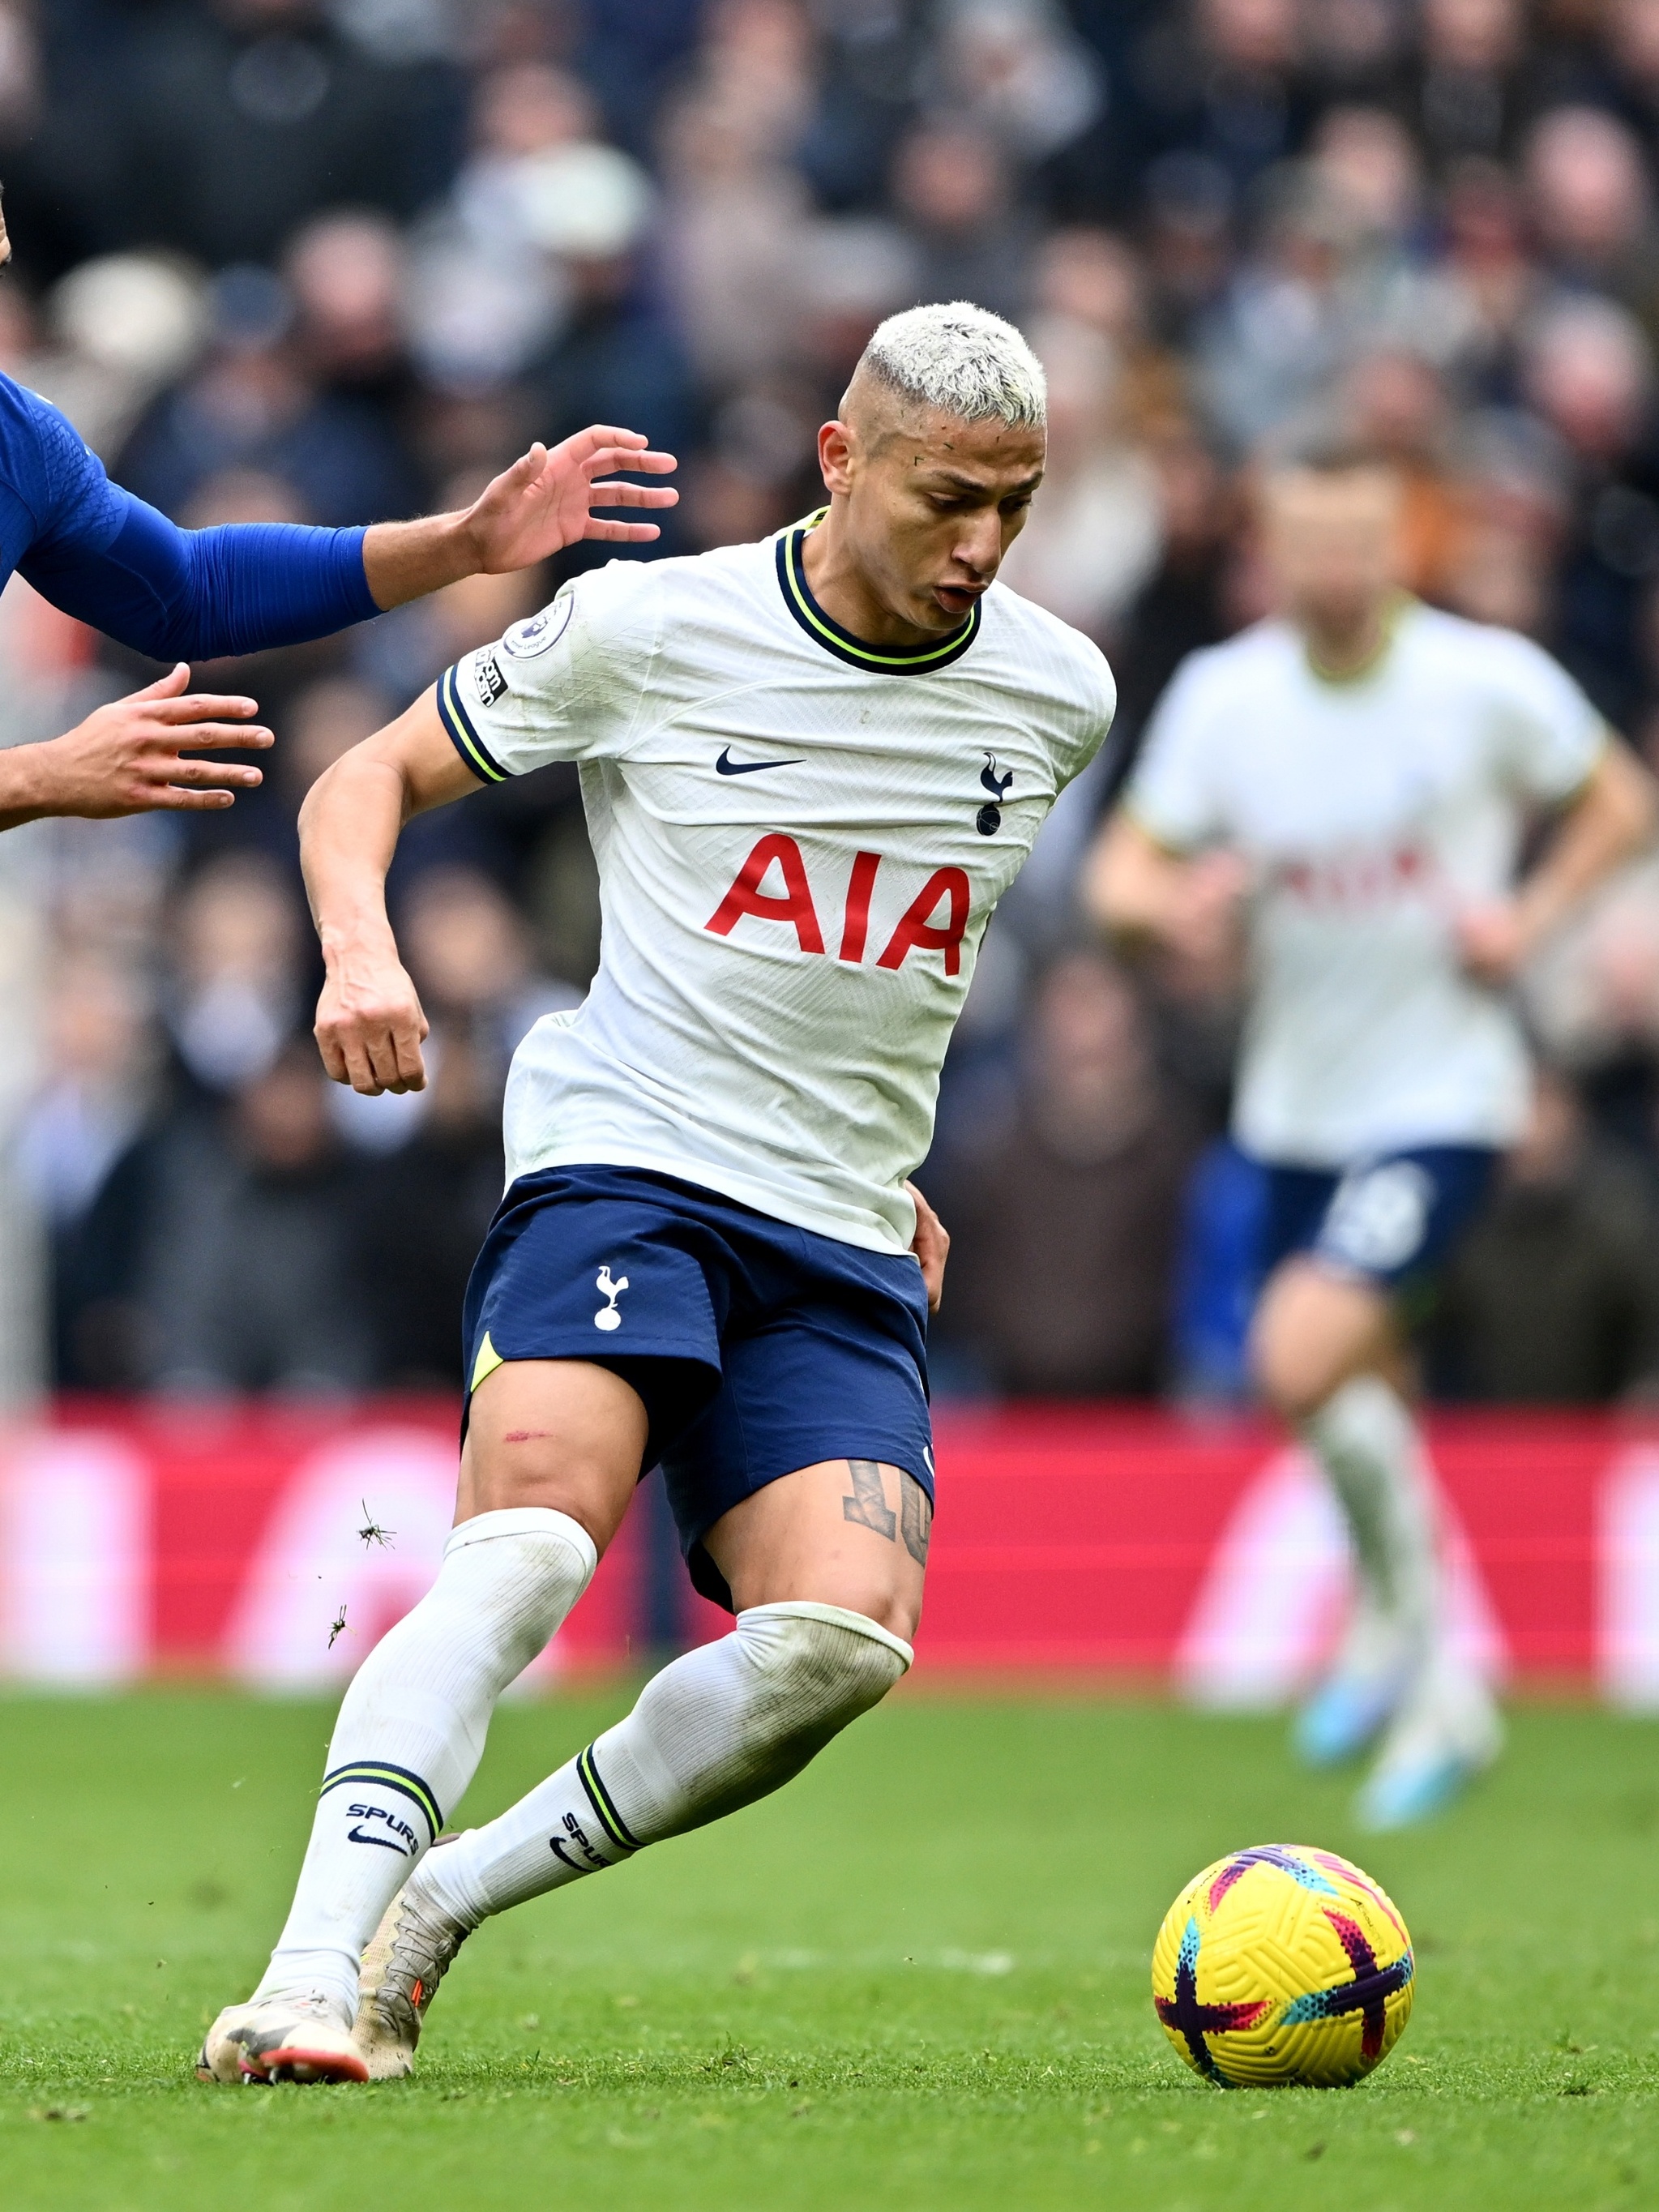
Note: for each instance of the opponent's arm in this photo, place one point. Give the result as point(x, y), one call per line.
point(113, 562)
point(370, 1023)
point(126, 757)
point(1137, 891)
point(1614, 816)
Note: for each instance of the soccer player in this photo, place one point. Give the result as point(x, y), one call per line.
point(1349, 784)
point(107, 559)
point(811, 767)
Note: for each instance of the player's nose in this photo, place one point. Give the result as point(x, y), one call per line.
point(979, 547)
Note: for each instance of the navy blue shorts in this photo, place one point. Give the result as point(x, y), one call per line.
point(1391, 1220)
point(758, 1347)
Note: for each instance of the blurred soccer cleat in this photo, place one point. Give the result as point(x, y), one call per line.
point(1448, 1733)
point(1368, 1680)
point(409, 1954)
point(290, 2039)
point(1344, 1714)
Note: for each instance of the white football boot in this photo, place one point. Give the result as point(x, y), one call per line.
point(1447, 1731)
point(288, 2039)
point(408, 1955)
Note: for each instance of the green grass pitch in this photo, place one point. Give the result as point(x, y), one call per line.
point(916, 1978)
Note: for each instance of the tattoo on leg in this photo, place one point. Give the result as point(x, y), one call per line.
point(918, 1518)
point(867, 1502)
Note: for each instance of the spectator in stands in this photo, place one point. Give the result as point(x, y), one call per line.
point(252, 405)
point(1063, 1208)
point(237, 990)
point(251, 1280)
point(1553, 1299)
point(1094, 538)
point(237, 121)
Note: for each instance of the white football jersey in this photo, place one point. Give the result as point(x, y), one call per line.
point(800, 839)
point(1373, 811)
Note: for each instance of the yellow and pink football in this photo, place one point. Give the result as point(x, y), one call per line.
point(1280, 1965)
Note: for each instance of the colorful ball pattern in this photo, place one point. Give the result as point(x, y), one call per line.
point(1283, 1964)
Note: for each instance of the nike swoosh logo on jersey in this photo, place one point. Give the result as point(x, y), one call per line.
point(726, 766)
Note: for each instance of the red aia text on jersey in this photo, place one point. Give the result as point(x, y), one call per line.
point(918, 926)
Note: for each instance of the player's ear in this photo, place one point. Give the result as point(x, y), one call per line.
point(837, 455)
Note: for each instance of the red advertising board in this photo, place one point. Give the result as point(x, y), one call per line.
point(274, 1545)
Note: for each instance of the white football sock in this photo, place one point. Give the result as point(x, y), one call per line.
point(1370, 1448)
point(722, 1726)
point(411, 1731)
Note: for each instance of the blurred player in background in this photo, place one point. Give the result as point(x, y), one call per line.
point(1348, 786)
point(112, 561)
point(811, 767)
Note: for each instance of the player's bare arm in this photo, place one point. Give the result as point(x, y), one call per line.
point(132, 756)
point(1611, 819)
point(370, 1027)
point(1141, 893)
point(544, 502)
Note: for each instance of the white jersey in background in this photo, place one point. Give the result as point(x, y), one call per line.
point(1372, 810)
point(800, 840)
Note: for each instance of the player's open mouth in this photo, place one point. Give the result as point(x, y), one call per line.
point(957, 598)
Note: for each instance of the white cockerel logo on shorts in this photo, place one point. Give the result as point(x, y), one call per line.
point(607, 1317)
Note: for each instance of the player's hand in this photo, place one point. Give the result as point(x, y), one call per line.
point(369, 1025)
point(128, 758)
point(1204, 918)
point(546, 500)
point(1493, 942)
point(931, 1246)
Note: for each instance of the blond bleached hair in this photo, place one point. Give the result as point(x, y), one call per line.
point(962, 360)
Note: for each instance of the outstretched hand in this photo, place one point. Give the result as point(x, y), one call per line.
point(546, 500)
point(129, 757)
point(931, 1246)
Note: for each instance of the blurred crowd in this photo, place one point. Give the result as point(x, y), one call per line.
point(331, 261)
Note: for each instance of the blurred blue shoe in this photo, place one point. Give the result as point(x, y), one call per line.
point(1449, 1733)
point(1403, 1795)
point(1343, 1716)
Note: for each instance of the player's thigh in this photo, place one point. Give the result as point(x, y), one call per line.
point(1314, 1329)
point(560, 1433)
point(847, 1531)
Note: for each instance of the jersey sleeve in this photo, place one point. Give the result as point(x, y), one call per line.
point(1552, 735)
point(565, 684)
point(1173, 794)
point(106, 558)
point(1095, 723)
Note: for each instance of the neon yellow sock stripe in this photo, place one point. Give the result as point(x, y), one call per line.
point(375, 1774)
point(615, 1826)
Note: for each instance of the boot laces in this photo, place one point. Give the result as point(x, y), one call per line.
point(422, 1951)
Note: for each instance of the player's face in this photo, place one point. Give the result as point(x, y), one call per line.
point(1334, 543)
point(933, 507)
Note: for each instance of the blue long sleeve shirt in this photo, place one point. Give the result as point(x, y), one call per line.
point(106, 558)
